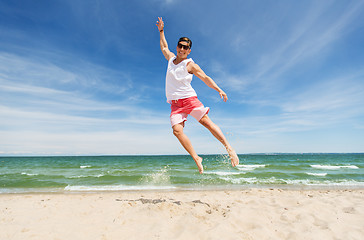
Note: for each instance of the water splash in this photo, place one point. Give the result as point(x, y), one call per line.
point(160, 177)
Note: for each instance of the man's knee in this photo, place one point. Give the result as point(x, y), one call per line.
point(177, 130)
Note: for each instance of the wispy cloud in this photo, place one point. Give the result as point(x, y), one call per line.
point(323, 100)
point(331, 101)
point(45, 107)
point(337, 94)
point(311, 37)
point(303, 41)
point(89, 143)
point(17, 70)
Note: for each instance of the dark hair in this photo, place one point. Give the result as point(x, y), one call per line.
point(187, 40)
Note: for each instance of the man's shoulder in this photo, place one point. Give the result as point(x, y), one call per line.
point(171, 57)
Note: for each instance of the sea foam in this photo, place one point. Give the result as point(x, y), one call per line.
point(223, 173)
point(317, 174)
point(86, 166)
point(86, 176)
point(114, 188)
point(291, 182)
point(29, 174)
point(250, 167)
point(330, 167)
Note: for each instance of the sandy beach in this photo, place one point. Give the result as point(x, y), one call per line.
point(238, 214)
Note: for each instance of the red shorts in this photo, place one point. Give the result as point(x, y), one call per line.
point(182, 107)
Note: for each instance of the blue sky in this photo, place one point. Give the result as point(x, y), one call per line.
point(87, 77)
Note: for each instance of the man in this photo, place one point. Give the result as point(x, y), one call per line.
point(183, 98)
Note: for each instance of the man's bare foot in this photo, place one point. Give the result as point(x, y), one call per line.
point(198, 162)
point(233, 157)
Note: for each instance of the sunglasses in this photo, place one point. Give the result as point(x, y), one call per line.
point(185, 47)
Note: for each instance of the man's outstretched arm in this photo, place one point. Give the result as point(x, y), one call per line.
point(198, 72)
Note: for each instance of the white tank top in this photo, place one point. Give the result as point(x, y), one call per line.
point(178, 80)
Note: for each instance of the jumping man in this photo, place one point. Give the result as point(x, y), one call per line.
point(183, 98)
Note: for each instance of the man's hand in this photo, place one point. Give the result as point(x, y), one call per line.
point(160, 24)
point(223, 95)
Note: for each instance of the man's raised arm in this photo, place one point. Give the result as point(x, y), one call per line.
point(163, 42)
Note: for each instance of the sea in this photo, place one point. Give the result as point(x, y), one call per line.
point(71, 174)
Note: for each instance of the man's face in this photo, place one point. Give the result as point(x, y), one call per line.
point(183, 49)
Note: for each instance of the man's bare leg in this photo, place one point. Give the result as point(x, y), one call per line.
point(186, 143)
point(216, 131)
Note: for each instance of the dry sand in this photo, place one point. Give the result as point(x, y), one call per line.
point(244, 214)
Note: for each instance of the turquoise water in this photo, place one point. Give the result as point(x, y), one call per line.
point(117, 173)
